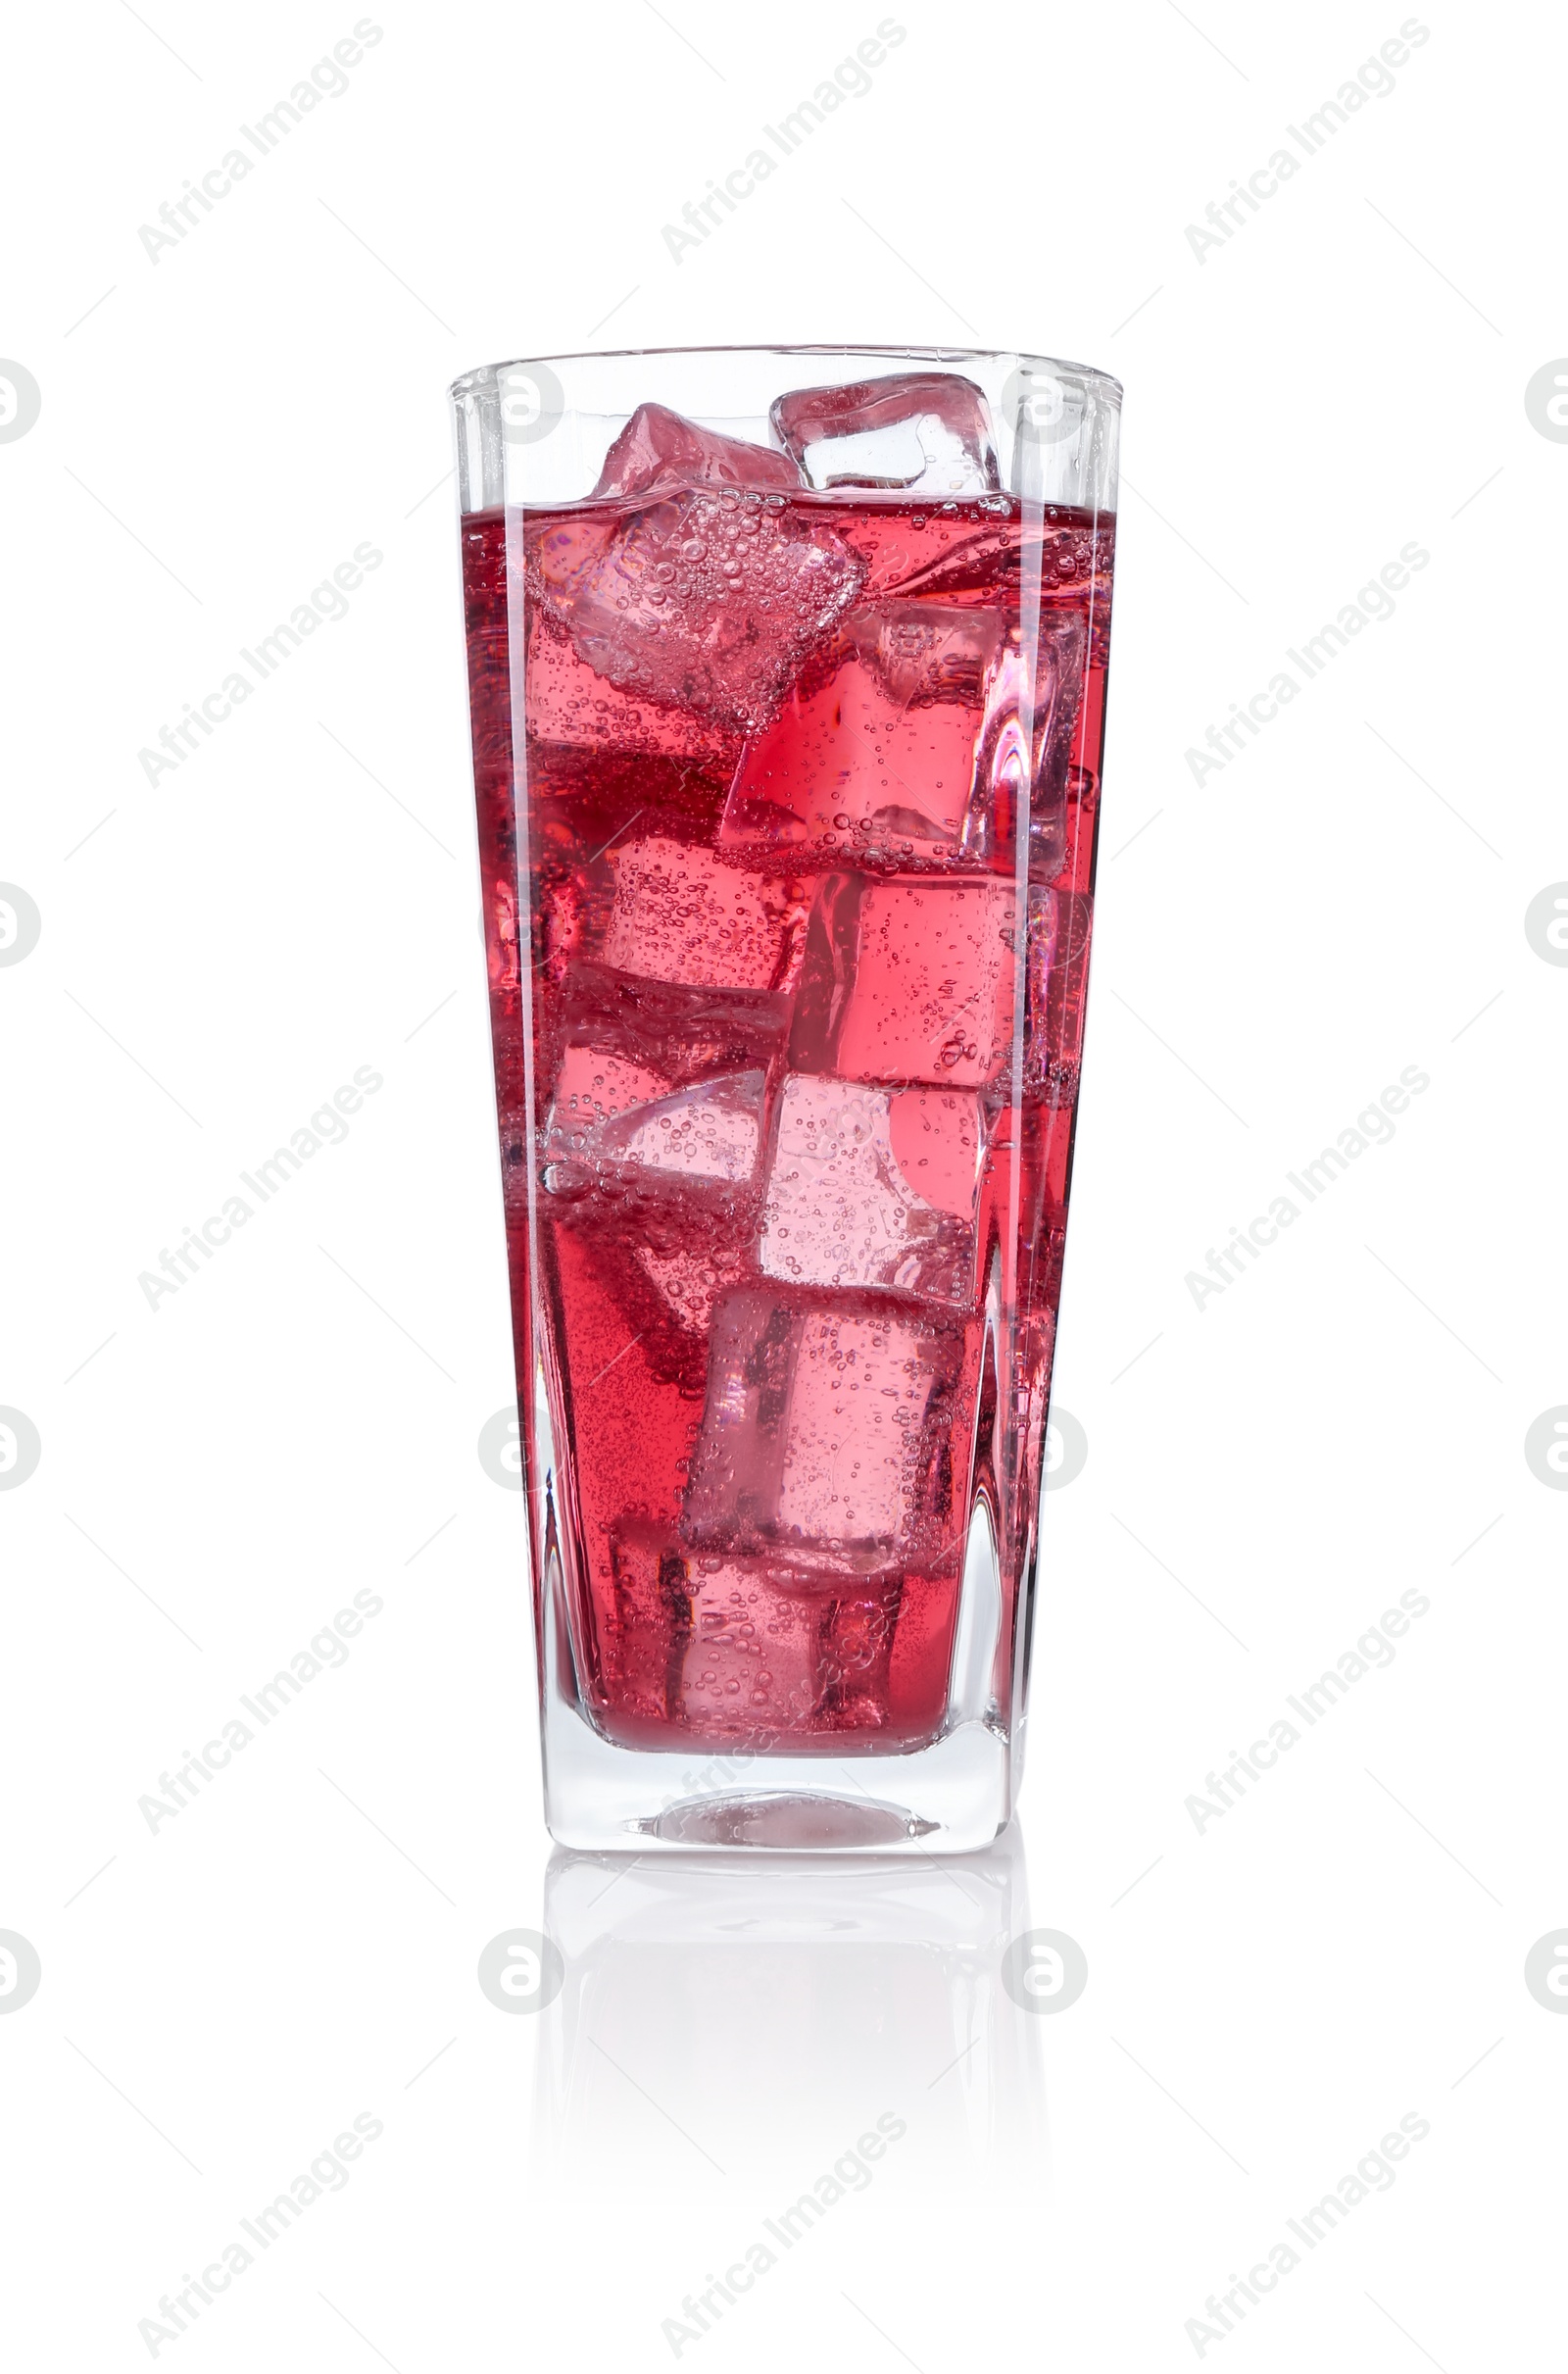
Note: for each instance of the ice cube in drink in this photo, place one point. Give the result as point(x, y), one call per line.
point(921, 432)
point(875, 747)
point(873, 1186)
point(679, 914)
point(658, 449)
point(907, 980)
point(705, 598)
point(822, 1429)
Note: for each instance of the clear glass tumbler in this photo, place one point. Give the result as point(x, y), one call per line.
point(787, 676)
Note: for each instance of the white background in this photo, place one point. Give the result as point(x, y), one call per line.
point(219, 950)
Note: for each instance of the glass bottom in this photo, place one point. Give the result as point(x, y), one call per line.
point(952, 1796)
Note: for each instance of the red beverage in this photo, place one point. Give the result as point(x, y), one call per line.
point(790, 1057)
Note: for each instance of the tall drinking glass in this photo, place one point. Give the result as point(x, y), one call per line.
point(787, 676)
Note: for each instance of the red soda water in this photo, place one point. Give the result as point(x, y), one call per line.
point(787, 870)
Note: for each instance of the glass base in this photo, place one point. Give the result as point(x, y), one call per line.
point(947, 1798)
point(950, 1797)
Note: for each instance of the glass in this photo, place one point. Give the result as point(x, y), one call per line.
point(787, 678)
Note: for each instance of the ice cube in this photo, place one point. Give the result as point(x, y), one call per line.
point(689, 1280)
point(662, 1188)
point(773, 1658)
point(910, 981)
point(752, 1668)
point(668, 1183)
point(851, 1463)
point(680, 914)
point(755, 1651)
point(658, 448)
point(709, 1131)
point(593, 1086)
point(745, 1651)
point(926, 651)
point(709, 599)
point(569, 706)
point(927, 432)
point(874, 1187)
point(685, 1032)
point(609, 1111)
point(881, 750)
point(820, 1430)
point(1024, 747)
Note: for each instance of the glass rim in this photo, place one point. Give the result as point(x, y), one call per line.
point(1109, 385)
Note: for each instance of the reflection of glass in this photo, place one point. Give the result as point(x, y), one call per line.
point(787, 674)
point(762, 2016)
